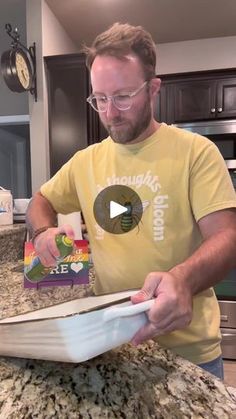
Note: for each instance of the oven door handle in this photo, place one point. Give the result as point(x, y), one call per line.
point(228, 334)
point(228, 337)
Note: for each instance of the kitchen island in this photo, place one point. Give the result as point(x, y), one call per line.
point(127, 382)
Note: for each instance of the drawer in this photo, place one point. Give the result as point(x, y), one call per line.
point(227, 313)
point(228, 344)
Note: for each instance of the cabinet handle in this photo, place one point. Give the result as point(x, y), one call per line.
point(223, 317)
point(213, 110)
point(220, 110)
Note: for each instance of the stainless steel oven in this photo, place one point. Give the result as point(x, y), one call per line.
point(226, 294)
point(231, 164)
point(223, 134)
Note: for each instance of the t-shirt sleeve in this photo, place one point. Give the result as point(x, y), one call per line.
point(210, 186)
point(61, 189)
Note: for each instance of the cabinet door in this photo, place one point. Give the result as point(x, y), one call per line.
point(226, 98)
point(73, 125)
point(160, 111)
point(194, 100)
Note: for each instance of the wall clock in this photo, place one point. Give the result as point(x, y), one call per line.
point(18, 65)
point(17, 70)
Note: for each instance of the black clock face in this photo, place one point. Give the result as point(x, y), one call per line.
point(17, 70)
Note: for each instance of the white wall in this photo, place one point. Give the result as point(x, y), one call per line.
point(38, 122)
point(197, 55)
point(51, 39)
point(55, 39)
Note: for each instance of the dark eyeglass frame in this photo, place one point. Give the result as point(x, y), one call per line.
point(130, 95)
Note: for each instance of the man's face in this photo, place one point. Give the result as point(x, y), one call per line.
point(112, 76)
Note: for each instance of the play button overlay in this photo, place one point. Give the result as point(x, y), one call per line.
point(118, 209)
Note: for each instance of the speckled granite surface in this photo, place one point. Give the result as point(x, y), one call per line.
point(144, 382)
point(15, 299)
point(141, 383)
point(12, 240)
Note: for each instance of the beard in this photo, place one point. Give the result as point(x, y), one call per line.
point(124, 131)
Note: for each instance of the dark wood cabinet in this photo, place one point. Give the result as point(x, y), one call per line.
point(73, 124)
point(226, 98)
point(197, 97)
point(194, 100)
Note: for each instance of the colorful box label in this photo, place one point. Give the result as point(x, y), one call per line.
point(72, 270)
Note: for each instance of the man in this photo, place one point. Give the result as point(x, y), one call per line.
point(186, 241)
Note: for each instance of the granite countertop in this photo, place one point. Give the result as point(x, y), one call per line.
point(12, 238)
point(141, 383)
point(15, 299)
point(11, 228)
point(144, 382)
point(127, 382)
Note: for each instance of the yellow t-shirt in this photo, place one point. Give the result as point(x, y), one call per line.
point(183, 177)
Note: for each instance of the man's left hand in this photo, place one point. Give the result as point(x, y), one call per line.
point(172, 309)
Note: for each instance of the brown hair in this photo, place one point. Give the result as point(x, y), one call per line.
point(121, 39)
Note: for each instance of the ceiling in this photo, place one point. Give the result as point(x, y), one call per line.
point(166, 20)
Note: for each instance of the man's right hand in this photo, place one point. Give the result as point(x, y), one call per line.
point(45, 244)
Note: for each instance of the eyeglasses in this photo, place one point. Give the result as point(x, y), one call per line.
point(122, 102)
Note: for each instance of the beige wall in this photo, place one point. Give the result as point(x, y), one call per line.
point(197, 55)
point(55, 39)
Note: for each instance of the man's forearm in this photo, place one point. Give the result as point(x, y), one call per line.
point(40, 213)
point(210, 263)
